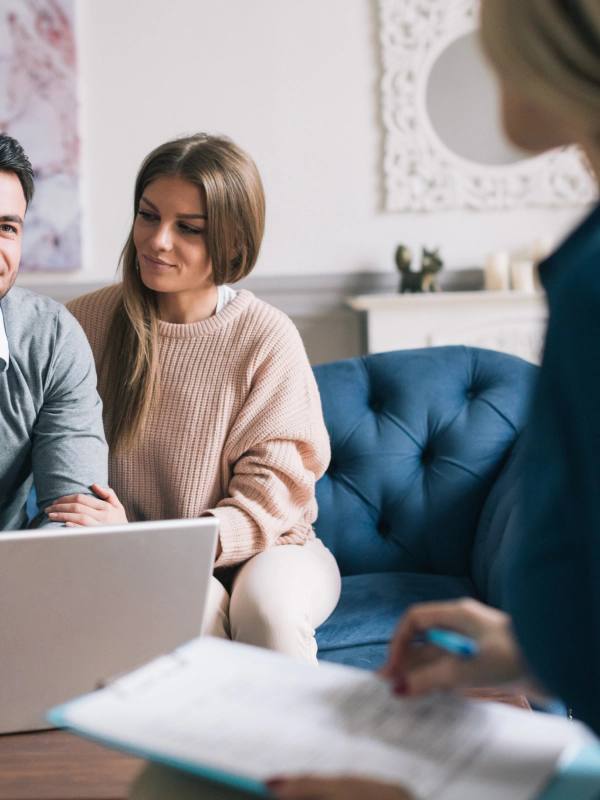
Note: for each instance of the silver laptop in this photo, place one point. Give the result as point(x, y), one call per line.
point(78, 606)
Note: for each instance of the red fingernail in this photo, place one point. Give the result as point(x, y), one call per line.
point(273, 783)
point(401, 689)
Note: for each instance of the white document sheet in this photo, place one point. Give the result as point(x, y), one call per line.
point(220, 708)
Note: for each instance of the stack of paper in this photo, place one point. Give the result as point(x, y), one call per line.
point(242, 715)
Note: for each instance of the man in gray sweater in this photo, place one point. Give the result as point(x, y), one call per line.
point(51, 431)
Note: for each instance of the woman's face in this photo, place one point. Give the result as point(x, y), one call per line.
point(168, 234)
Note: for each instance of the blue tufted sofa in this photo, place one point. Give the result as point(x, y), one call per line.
point(419, 498)
point(418, 501)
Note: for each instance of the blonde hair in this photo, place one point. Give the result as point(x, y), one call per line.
point(235, 203)
point(549, 49)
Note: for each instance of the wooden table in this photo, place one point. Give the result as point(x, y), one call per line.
point(55, 765)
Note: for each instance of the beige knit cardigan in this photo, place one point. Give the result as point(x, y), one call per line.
point(238, 429)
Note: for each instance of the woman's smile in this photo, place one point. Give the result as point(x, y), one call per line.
point(156, 264)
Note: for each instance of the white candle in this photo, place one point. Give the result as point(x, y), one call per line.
point(497, 272)
point(541, 248)
point(522, 274)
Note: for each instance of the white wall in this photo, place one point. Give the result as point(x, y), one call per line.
point(292, 81)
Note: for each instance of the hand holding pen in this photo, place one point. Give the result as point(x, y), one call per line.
point(454, 645)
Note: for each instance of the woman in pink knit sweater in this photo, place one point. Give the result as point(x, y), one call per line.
point(210, 405)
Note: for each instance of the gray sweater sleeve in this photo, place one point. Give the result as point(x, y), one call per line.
point(69, 451)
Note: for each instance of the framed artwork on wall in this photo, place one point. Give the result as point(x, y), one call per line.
point(38, 107)
point(444, 147)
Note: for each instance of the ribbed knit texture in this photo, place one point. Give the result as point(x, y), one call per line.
point(238, 429)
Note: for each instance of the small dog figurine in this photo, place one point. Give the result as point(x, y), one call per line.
point(423, 281)
point(430, 266)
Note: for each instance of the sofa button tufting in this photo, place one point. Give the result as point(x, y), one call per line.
point(427, 455)
point(376, 406)
point(384, 528)
point(471, 394)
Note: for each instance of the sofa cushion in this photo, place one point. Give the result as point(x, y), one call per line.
point(363, 656)
point(498, 524)
point(418, 438)
point(371, 605)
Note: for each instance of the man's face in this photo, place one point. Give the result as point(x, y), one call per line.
point(12, 214)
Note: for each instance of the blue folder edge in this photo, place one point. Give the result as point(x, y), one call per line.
point(579, 780)
point(58, 716)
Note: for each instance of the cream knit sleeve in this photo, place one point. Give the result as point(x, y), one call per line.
point(277, 449)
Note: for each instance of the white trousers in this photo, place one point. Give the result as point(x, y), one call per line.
point(277, 600)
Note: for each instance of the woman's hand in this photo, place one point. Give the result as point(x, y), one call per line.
point(336, 789)
point(423, 669)
point(80, 510)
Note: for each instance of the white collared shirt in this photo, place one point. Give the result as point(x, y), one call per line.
point(225, 295)
point(4, 351)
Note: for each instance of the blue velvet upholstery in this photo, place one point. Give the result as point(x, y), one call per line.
point(419, 493)
point(32, 508)
point(369, 610)
point(418, 502)
point(497, 524)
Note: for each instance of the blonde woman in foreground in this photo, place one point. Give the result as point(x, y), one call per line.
point(210, 404)
point(547, 56)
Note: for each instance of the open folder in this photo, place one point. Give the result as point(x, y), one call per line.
point(240, 715)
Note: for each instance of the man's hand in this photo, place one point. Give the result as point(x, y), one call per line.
point(308, 788)
point(423, 669)
point(81, 510)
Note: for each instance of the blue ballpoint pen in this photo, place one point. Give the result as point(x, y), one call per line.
point(454, 643)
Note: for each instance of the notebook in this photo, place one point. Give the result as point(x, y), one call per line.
point(240, 715)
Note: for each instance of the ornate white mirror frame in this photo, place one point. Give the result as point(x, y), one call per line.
point(421, 172)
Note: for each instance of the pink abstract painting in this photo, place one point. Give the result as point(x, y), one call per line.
point(38, 106)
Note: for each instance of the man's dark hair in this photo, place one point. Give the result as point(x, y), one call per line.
point(13, 159)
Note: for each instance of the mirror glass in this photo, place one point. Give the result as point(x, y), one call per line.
point(463, 103)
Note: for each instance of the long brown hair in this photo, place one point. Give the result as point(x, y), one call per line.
point(548, 50)
point(235, 203)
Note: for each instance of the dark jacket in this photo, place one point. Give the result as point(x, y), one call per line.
point(552, 581)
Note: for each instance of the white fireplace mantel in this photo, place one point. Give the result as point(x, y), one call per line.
point(512, 322)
